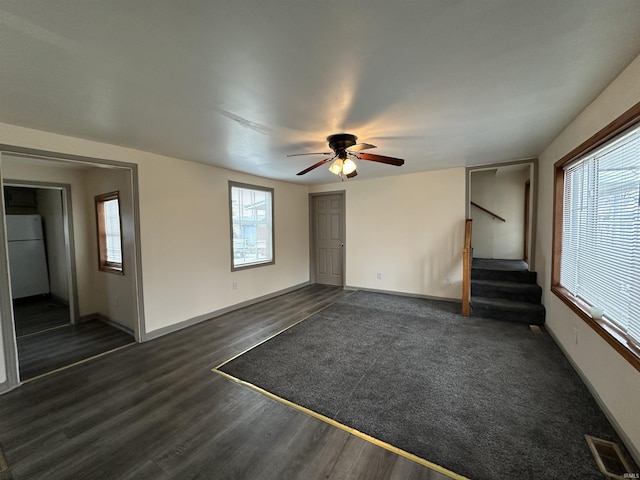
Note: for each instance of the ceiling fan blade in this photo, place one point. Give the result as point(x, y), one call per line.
point(352, 174)
point(361, 146)
point(381, 159)
point(316, 165)
point(314, 153)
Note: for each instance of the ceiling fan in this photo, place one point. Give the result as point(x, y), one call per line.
point(344, 147)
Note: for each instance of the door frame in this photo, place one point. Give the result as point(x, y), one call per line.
point(7, 325)
point(69, 245)
point(6, 308)
point(527, 214)
point(533, 198)
point(312, 239)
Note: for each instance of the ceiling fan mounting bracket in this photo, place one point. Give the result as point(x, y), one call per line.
point(341, 141)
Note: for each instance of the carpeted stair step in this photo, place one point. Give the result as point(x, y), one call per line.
point(510, 310)
point(519, 291)
point(520, 276)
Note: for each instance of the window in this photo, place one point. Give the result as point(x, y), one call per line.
point(251, 210)
point(597, 233)
point(109, 233)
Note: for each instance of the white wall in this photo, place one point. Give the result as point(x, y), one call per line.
point(409, 228)
point(114, 295)
point(612, 378)
point(186, 241)
point(185, 231)
point(500, 190)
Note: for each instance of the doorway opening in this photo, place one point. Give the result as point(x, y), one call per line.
point(500, 203)
point(63, 308)
point(43, 282)
point(40, 243)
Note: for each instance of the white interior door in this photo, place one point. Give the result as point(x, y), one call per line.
point(328, 237)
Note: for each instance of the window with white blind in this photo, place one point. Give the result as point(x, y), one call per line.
point(601, 231)
point(109, 232)
point(599, 241)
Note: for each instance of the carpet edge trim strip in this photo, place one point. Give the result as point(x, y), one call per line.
point(43, 331)
point(341, 426)
point(79, 362)
point(4, 466)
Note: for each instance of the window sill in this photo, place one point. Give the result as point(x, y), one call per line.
point(612, 335)
point(235, 268)
point(111, 269)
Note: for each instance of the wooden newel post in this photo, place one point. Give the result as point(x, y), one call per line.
point(466, 270)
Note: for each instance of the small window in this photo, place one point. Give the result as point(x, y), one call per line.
point(109, 233)
point(251, 210)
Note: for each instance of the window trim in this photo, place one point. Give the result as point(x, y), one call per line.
point(103, 264)
point(235, 268)
point(606, 330)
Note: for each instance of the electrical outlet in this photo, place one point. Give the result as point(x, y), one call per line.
point(235, 285)
point(379, 276)
point(447, 281)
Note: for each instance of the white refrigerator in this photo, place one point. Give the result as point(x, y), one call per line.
point(27, 257)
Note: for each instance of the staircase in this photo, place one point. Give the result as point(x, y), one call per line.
point(505, 290)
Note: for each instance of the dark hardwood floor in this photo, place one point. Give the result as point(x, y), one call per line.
point(47, 340)
point(156, 411)
point(44, 352)
point(36, 314)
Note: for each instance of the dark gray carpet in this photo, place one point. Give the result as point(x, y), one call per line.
point(483, 398)
point(499, 264)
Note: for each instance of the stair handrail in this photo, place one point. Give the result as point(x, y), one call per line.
point(466, 269)
point(494, 215)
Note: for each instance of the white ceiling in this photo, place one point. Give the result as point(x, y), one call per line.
point(242, 83)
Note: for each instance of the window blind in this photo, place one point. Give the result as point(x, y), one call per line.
point(600, 260)
point(112, 230)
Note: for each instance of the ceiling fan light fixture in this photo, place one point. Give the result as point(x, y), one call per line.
point(336, 167)
point(348, 166)
point(342, 165)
